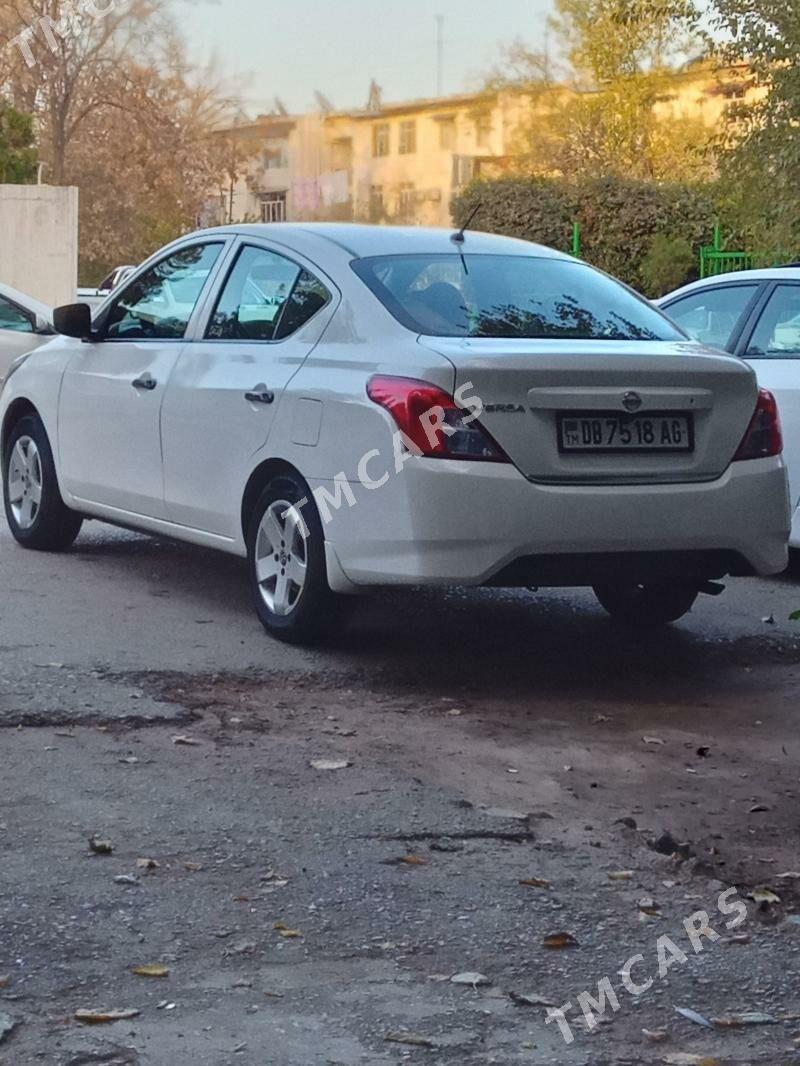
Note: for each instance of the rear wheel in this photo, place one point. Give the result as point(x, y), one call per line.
point(37, 516)
point(288, 575)
point(647, 605)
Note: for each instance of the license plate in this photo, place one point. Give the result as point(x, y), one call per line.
point(611, 433)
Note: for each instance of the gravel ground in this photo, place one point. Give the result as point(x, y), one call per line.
point(308, 915)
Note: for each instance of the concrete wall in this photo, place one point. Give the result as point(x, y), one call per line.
point(39, 241)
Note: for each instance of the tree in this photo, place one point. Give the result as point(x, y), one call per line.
point(760, 150)
point(593, 112)
point(17, 151)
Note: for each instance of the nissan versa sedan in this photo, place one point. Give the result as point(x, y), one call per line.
point(350, 407)
point(754, 314)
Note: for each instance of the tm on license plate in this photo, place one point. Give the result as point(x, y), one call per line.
point(597, 432)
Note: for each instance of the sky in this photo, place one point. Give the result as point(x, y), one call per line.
point(289, 49)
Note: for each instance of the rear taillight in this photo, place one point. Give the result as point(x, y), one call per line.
point(432, 421)
point(763, 437)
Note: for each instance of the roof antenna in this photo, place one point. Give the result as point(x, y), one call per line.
point(460, 236)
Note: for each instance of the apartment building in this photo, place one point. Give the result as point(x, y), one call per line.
point(404, 162)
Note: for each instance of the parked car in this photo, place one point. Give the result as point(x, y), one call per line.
point(94, 297)
point(350, 407)
point(754, 314)
point(25, 323)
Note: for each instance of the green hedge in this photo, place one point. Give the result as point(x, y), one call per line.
point(629, 228)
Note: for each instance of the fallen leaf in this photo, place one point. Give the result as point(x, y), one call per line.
point(146, 864)
point(693, 1016)
point(187, 742)
point(104, 1017)
point(769, 620)
point(5, 980)
point(656, 1036)
point(558, 941)
point(741, 1021)
point(330, 764)
point(405, 860)
point(100, 847)
point(192, 867)
point(601, 719)
point(739, 938)
point(790, 876)
point(535, 882)
point(131, 760)
point(286, 932)
point(650, 908)
point(408, 1038)
point(476, 980)
point(764, 896)
point(759, 808)
point(154, 969)
point(653, 741)
point(683, 1059)
point(126, 879)
point(530, 1000)
point(794, 616)
point(622, 875)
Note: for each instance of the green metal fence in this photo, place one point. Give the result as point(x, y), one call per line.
point(714, 259)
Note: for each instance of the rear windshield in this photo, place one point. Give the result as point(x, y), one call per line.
point(510, 296)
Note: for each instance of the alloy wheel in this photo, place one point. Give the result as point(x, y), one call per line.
point(281, 557)
point(25, 482)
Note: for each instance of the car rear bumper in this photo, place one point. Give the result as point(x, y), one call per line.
point(443, 523)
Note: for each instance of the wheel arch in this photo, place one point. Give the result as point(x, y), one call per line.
point(256, 484)
point(18, 409)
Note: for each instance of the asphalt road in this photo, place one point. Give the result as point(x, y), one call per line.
point(485, 739)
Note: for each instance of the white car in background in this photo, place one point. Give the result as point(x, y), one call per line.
point(754, 314)
point(352, 406)
point(94, 297)
point(25, 323)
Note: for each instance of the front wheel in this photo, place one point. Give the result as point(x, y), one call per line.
point(286, 558)
point(37, 516)
point(648, 605)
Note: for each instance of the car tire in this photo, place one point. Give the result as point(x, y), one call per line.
point(36, 514)
point(649, 605)
point(286, 560)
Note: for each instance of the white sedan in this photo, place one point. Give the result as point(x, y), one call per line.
point(754, 314)
point(350, 407)
point(25, 323)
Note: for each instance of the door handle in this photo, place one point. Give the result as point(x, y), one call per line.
point(260, 394)
point(145, 383)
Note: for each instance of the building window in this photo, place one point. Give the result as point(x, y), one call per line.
point(273, 207)
point(483, 130)
point(376, 203)
point(406, 200)
point(276, 153)
point(381, 139)
point(408, 138)
point(447, 134)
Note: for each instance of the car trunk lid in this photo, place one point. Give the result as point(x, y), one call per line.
point(539, 394)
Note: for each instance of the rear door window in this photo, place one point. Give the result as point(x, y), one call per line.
point(712, 316)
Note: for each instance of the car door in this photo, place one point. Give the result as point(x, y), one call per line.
point(771, 344)
point(17, 333)
point(716, 314)
point(113, 387)
point(267, 316)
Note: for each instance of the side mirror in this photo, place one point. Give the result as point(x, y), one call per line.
point(73, 320)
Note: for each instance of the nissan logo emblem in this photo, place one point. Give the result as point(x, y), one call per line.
point(632, 401)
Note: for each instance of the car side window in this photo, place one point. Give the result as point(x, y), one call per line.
point(777, 335)
point(712, 315)
point(14, 318)
point(160, 302)
point(265, 298)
